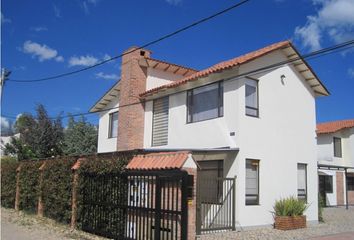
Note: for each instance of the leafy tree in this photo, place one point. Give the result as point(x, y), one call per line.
point(80, 137)
point(40, 136)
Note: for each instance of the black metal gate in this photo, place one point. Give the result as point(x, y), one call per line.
point(215, 204)
point(136, 205)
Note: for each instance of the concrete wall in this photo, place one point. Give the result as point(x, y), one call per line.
point(106, 144)
point(282, 136)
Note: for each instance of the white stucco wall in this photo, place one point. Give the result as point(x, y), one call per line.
point(106, 144)
point(156, 78)
point(281, 137)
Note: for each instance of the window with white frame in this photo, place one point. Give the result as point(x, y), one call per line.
point(337, 145)
point(205, 102)
point(252, 182)
point(251, 94)
point(113, 125)
point(302, 181)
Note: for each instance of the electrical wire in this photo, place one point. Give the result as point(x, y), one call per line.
point(315, 54)
point(139, 48)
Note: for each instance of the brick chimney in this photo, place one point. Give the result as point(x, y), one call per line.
point(131, 117)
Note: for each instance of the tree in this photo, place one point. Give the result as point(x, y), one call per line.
point(80, 137)
point(40, 136)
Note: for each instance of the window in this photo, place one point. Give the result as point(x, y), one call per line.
point(302, 181)
point(205, 102)
point(252, 182)
point(251, 95)
point(211, 184)
point(113, 125)
point(350, 183)
point(160, 122)
point(326, 183)
point(337, 143)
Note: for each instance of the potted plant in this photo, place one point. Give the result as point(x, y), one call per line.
point(289, 214)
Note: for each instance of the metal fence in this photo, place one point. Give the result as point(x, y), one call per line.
point(136, 205)
point(215, 204)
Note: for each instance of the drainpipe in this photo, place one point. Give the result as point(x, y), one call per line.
point(346, 188)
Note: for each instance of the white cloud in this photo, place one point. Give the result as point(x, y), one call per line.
point(85, 5)
point(5, 124)
point(43, 52)
point(56, 11)
point(39, 29)
point(82, 61)
point(334, 19)
point(4, 19)
point(173, 2)
point(351, 72)
point(106, 57)
point(107, 76)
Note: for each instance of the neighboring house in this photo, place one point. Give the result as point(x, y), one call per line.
point(335, 143)
point(257, 126)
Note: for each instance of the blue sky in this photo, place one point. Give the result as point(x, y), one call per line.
point(42, 38)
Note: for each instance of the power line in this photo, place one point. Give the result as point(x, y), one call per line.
point(315, 54)
point(141, 47)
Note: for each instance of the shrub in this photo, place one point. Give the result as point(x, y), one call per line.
point(8, 181)
point(57, 188)
point(29, 185)
point(321, 205)
point(290, 206)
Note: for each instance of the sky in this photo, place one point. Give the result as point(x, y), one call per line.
point(43, 38)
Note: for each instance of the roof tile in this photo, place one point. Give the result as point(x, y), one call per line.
point(331, 127)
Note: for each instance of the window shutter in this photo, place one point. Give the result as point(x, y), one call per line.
point(160, 122)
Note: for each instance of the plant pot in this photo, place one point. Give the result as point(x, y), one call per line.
point(289, 222)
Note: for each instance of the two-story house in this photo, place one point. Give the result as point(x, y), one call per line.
point(335, 143)
point(251, 117)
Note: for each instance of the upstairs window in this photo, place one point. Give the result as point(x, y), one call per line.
point(113, 125)
point(160, 122)
point(205, 102)
point(251, 94)
point(302, 181)
point(337, 143)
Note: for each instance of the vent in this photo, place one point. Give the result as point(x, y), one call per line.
point(160, 122)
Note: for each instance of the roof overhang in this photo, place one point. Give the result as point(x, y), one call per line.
point(111, 94)
point(166, 67)
point(334, 167)
point(305, 70)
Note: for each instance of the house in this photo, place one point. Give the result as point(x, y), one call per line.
point(258, 127)
point(335, 144)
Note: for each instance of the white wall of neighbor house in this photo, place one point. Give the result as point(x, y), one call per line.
point(156, 78)
point(281, 137)
point(106, 144)
point(325, 148)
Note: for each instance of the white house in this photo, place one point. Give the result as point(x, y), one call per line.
point(248, 117)
point(335, 144)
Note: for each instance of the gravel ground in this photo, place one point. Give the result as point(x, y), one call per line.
point(20, 226)
point(337, 220)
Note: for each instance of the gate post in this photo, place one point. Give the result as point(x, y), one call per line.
point(191, 202)
point(17, 197)
point(74, 195)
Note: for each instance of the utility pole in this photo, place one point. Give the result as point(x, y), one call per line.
point(4, 76)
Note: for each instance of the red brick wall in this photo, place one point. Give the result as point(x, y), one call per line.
point(131, 118)
point(340, 189)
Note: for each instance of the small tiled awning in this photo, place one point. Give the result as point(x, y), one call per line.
point(158, 161)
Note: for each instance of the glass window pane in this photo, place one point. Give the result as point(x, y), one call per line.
point(113, 125)
point(205, 103)
point(251, 97)
point(301, 181)
point(252, 181)
point(337, 142)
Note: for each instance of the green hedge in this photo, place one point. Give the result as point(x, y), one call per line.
point(29, 185)
point(57, 189)
point(8, 183)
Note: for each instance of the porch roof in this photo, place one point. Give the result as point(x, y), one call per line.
point(159, 161)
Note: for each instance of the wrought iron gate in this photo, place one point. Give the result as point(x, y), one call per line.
point(136, 205)
point(215, 204)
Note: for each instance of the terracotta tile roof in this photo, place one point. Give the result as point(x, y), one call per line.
point(172, 64)
point(158, 161)
point(331, 127)
point(221, 66)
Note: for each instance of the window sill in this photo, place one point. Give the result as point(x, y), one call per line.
point(205, 120)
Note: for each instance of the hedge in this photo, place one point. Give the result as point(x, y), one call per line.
point(8, 183)
point(57, 189)
point(29, 185)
